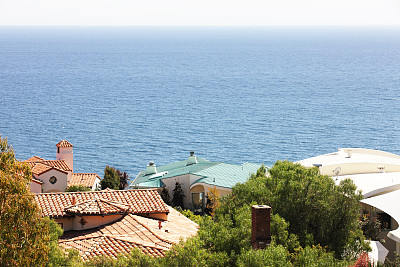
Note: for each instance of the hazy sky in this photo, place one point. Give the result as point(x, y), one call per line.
point(201, 12)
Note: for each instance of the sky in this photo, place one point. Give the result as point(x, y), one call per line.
point(200, 12)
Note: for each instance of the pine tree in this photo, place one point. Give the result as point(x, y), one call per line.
point(178, 195)
point(165, 195)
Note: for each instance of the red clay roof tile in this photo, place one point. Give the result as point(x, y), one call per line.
point(84, 179)
point(141, 201)
point(34, 159)
point(97, 206)
point(64, 143)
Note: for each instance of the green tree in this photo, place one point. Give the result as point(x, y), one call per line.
point(318, 211)
point(24, 234)
point(111, 179)
point(77, 188)
point(123, 179)
point(165, 195)
point(178, 195)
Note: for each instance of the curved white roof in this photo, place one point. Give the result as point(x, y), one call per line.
point(354, 161)
point(372, 184)
point(389, 203)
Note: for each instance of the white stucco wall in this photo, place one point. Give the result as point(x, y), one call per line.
point(96, 184)
point(185, 183)
point(59, 186)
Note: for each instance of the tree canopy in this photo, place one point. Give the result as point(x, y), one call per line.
point(24, 234)
point(111, 179)
point(318, 211)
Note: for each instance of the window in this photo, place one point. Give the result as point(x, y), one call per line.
point(197, 202)
point(58, 150)
point(53, 180)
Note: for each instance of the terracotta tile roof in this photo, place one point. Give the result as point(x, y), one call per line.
point(60, 165)
point(84, 179)
point(97, 206)
point(40, 168)
point(34, 159)
point(131, 231)
point(64, 143)
point(144, 201)
point(110, 246)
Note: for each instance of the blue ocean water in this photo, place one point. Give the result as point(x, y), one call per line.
point(124, 96)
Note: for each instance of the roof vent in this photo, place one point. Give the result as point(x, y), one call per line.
point(192, 159)
point(151, 168)
point(349, 153)
point(381, 168)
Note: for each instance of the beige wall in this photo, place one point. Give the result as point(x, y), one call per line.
point(59, 186)
point(185, 183)
point(35, 187)
point(66, 153)
point(91, 221)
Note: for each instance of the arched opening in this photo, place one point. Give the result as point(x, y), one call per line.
point(197, 199)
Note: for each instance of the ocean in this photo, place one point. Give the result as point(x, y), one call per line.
point(124, 96)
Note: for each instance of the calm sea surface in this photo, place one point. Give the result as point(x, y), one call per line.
point(126, 96)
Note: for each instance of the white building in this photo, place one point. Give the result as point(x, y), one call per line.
point(57, 175)
point(377, 175)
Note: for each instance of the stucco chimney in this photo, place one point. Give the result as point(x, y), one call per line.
point(192, 159)
point(151, 168)
point(260, 226)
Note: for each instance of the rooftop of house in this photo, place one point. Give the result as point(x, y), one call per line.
point(64, 143)
point(212, 173)
point(372, 184)
point(84, 179)
point(97, 206)
point(131, 231)
point(352, 155)
point(46, 165)
point(144, 201)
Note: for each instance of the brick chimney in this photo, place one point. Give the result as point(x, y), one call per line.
point(260, 226)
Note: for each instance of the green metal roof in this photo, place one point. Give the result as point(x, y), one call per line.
point(212, 173)
point(227, 175)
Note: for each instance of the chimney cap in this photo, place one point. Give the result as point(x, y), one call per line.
point(192, 153)
point(151, 163)
point(261, 207)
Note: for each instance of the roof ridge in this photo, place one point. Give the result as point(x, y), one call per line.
point(97, 192)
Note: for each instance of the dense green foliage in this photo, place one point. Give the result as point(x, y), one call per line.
point(111, 179)
point(318, 211)
point(77, 188)
point(114, 179)
point(24, 234)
